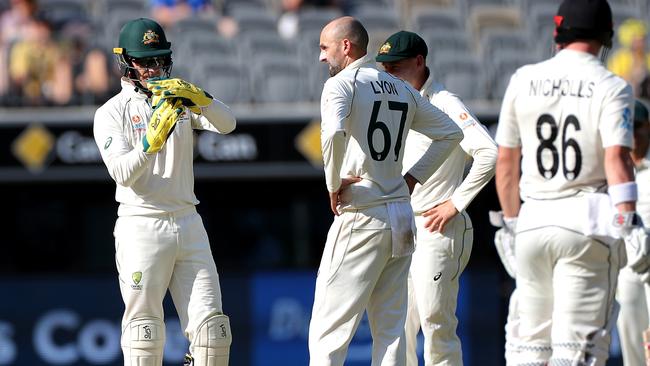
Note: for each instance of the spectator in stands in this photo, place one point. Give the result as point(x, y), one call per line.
point(170, 12)
point(288, 21)
point(631, 61)
point(91, 66)
point(288, 26)
point(39, 70)
point(13, 24)
point(14, 21)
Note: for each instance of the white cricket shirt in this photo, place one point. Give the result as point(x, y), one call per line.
point(366, 115)
point(564, 112)
point(151, 183)
point(447, 182)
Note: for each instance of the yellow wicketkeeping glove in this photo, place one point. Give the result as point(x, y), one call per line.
point(161, 124)
point(193, 96)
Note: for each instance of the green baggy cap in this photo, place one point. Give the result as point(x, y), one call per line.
point(402, 45)
point(140, 38)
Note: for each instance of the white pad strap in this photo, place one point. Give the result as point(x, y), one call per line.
point(143, 341)
point(211, 344)
point(623, 192)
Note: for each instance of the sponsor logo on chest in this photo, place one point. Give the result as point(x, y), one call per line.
point(137, 123)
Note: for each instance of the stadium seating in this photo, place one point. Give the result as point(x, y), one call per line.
point(500, 33)
point(460, 73)
point(313, 20)
point(278, 80)
point(226, 79)
point(503, 66)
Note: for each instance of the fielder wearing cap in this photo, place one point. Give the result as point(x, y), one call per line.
point(401, 45)
point(444, 229)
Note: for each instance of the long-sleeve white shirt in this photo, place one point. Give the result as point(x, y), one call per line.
point(366, 115)
point(447, 182)
point(152, 183)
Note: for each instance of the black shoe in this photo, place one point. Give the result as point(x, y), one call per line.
point(189, 360)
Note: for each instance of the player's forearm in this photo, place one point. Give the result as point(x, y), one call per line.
point(482, 170)
point(126, 169)
point(619, 169)
point(220, 116)
point(333, 146)
point(507, 180)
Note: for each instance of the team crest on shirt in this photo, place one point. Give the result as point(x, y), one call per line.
point(150, 37)
point(385, 48)
point(137, 278)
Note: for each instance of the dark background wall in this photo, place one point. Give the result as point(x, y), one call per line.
point(266, 212)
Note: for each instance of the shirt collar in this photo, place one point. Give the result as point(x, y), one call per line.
point(567, 53)
point(367, 59)
point(131, 90)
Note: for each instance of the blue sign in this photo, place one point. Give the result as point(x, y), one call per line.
point(281, 306)
point(74, 321)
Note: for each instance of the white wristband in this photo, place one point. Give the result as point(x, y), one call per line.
point(623, 192)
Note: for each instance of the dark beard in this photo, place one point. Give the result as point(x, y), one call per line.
point(333, 70)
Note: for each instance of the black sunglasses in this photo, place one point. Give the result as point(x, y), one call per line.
point(153, 62)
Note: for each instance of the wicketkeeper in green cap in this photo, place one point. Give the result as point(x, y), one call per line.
point(146, 139)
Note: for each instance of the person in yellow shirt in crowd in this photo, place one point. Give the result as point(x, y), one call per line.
point(631, 61)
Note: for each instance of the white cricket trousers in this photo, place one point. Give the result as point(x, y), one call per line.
point(437, 264)
point(565, 289)
point(632, 317)
point(157, 252)
point(358, 273)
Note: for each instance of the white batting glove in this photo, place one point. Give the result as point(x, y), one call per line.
point(637, 243)
point(504, 240)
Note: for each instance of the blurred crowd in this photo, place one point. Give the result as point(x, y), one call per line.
point(48, 61)
point(631, 60)
point(50, 57)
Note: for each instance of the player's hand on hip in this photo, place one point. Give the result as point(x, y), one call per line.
point(191, 95)
point(439, 215)
point(335, 197)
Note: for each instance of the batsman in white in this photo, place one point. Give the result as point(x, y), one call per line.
point(632, 293)
point(568, 122)
point(145, 135)
point(444, 230)
point(366, 115)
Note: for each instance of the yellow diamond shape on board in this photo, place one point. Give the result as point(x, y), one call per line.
point(308, 143)
point(33, 146)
